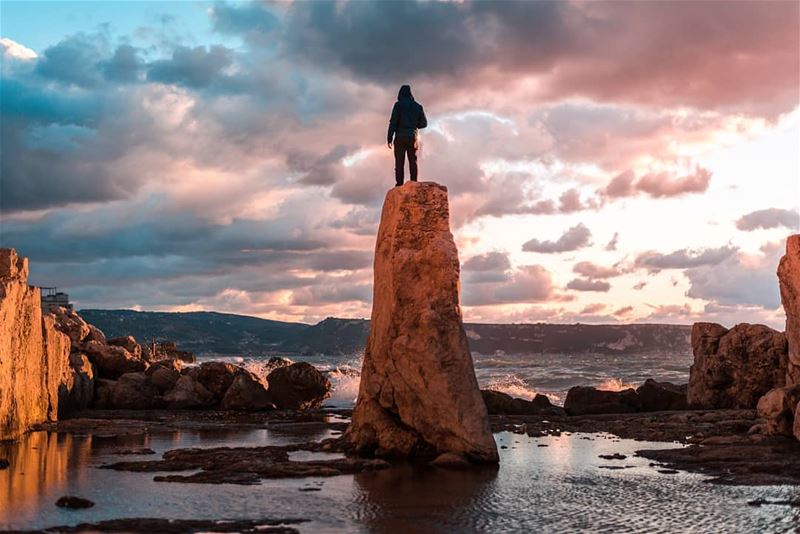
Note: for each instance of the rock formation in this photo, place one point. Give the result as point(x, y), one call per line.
point(662, 396)
point(734, 368)
point(582, 400)
point(418, 394)
point(34, 356)
point(789, 282)
point(298, 386)
point(499, 403)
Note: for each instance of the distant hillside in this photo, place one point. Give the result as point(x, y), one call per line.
point(222, 333)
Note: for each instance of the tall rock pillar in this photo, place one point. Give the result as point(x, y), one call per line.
point(789, 280)
point(418, 395)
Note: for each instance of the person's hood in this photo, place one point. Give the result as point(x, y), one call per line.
point(405, 93)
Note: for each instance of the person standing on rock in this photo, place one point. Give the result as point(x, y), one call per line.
point(407, 118)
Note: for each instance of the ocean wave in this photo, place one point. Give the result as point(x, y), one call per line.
point(614, 384)
point(511, 385)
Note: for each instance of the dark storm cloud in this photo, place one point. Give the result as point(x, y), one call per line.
point(576, 237)
point(73, 61)
point(124, 66)
point(769, 218)
point(196, 67)
point(656, 53)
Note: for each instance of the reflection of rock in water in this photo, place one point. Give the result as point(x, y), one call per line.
point(39, 462)
point(406, 498)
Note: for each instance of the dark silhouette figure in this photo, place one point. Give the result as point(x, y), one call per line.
point(407, 117)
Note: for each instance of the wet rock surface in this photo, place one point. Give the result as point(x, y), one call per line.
point(70, 501)
point(246, 465)
point(582, 400)
point(498, 403)
point(276, 526)
point(298, 386)
point(662, 396)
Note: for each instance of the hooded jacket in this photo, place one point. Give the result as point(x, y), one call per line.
point(407, 116)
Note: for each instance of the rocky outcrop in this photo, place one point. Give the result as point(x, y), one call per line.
point(34, 356)
point(247, 393)
point(585, 400)
point(418, 394)
point(662, 396)
point(499, 403)
point(298, 386)
point(777, 409)
point(734, 368)
point(188, 393)
point(789, 282)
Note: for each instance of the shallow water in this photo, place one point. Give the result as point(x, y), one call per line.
point(561, 487)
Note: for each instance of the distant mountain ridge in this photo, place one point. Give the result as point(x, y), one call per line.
point(229, 334)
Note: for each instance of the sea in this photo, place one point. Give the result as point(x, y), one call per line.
point(519, 375)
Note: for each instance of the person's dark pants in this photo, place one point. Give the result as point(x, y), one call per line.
point(405, 146)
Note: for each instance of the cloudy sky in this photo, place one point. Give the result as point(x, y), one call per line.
point(606, 162)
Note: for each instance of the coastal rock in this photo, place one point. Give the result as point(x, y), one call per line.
point(133, 391)
point(128, 343)
point(102, 393)
point(217, 377)
point(662, 396)
point(78, 391)
point(112, 361)
point(498, 403)
point(418, 394)
point(95, 334)
point(298, 386)
point(169, 350)
point(33, 354)
point(187, 393)
point(585, 400)
point(789, 282)
point(70, 501)
point(247, 393)
point(777, 408)
point(734, 368)
point(72, 324)
point(164, 374)
point(56, 347)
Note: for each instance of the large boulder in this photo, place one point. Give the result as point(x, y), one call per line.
point(164, 374)
point(662, 396)
point(112, 361)
point(499, 403)
point(188, 393)
point(34, 355)
point(777, 408)
point(418, 394)
point(247, 393)
point(586, 400)
point(789, 282)
point(298, 386)
point(734, 368)
point(128, 343)
point(72, 324)
point(133, 391)
point(217, 377)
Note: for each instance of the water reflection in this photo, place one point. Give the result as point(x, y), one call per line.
point(420, 498)
point(39, 462)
